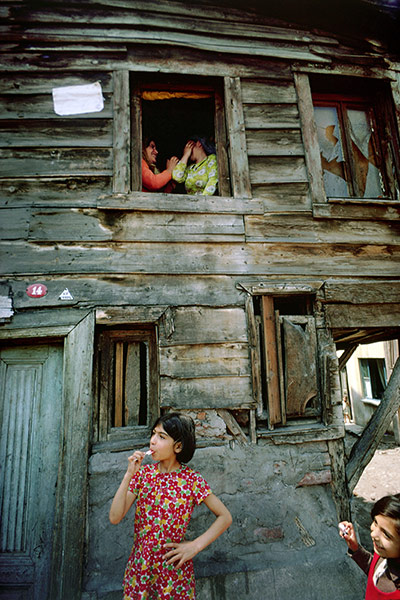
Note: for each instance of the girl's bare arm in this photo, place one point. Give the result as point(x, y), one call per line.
point(123, 498)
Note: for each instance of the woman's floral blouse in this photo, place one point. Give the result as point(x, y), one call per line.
point(200, 178)
point(164, 505)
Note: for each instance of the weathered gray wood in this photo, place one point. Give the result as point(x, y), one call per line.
point(283, 197)
point(266, 91)
point(208, 360)
point(237, 138)
point(78, 225)
point(309, 433)
point(364, 449)
point(346, 355)
point(233, 426)
point(196, 325)
point(58, 161)
point(255, 359)
point(274, 142)
point(60, 133)
point(271, 116)
point(64, 191)
point(293, 227)
point(43, 84)
point(207, 392)
point(40, 106)
point(180, 203)
point(69, 529)
point(223, 259)
point(371, 292)
point(352, 210)
point(339, 489)
point(224, 185)
point(280, 169)
point(353, 315)
point(14, 223)
point(121, 132)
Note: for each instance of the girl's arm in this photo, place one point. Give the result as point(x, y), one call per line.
point(123, 498)
point(154, 182)
point(185, 551)
point(212, 179)
point(347, 532)
point(179, 172)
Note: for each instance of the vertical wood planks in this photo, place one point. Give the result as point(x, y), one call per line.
point(237, 138)
point(271, 360)
point(121, 132)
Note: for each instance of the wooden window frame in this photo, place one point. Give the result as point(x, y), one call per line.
point(388, 100)
point(142, 82)
point(113, 371)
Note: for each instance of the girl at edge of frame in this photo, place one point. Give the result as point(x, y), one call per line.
point(201, 177)
point(160, 565)
point(152, 179)
point(383, 567)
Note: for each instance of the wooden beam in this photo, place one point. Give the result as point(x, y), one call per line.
point(271, 361)
point(237, 138)
point(363, 450)
point(347, 354)
point(233, 426)
point(122, 133)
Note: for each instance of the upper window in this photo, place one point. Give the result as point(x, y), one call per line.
point(357, 139)
point(171, 110)
point(373, 377)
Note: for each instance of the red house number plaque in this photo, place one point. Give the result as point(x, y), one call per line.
point(36, 290)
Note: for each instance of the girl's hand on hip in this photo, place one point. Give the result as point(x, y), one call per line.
point(180, 553)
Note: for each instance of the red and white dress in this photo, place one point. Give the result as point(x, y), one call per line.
point(164, 505)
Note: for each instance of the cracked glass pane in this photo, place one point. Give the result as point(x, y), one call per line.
point(331, 148)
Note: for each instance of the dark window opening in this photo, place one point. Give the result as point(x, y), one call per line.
point(170, 109)
point(373, 377)
point(358, 138)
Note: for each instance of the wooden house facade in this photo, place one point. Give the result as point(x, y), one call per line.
point(118, 304)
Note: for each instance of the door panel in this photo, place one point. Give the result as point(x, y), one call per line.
point(30, 412)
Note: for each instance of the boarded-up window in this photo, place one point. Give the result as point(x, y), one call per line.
point(358, 140)
point(289, 359)
point(128, 381)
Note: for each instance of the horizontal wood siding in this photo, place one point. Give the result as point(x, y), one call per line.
point(274, 143)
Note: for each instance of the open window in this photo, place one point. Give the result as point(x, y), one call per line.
point(127, 381)
point(357, 137)
point(172, 108)
point(288, 349)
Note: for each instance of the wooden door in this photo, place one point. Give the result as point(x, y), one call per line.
point(30, 412)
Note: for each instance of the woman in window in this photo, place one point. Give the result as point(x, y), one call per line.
point(202, 175)
point(152, 179)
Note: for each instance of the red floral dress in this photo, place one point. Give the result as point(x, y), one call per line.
point(164, 505)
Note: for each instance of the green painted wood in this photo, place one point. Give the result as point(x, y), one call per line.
point(31, 413)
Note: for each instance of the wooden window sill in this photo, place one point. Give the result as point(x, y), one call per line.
point(357, 208)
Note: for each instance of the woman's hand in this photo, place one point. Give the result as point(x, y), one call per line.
point(346, 531)
point(180, 553)
point(187, 151)
point(171, 163)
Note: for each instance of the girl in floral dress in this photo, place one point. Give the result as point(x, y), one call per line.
point(160, 566)
point(201, 177)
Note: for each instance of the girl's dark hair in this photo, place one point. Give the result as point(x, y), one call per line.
point(181, 429)
point(208, 145)
point(388, 506)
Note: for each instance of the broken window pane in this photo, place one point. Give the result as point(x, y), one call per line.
point(332, 158)
point(367, 175)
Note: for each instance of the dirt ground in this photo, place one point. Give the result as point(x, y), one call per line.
point(380, 478)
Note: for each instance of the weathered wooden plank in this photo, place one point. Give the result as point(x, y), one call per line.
point(340, 316)
point(365, 210)
point(282, 197)
point(237, 139)
point(271, 361)
point(58, 133)
point(280, 169)
point(181, 203)
point(321, 260)
point(309, 132)
point(208, 392)
point(48, 162)
point(203, 325)
point(339, 489)
point(142, 290)
point(255, 359)
point(266, 91)
point(365, 292)
point(274, 142)
point(32, 106)
point(364, 449)
point(190, 360)
point(42, 83)
point(86, 224)
point(64, 191)
point(271, 116)
point(233, 426)
point(253, 47)
point(121, 132)
point(14, 223)
point(293, 227)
